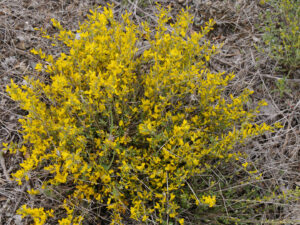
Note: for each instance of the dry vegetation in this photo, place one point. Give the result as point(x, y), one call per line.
point(278, 154)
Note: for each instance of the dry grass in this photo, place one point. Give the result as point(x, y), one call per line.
point(277, 154)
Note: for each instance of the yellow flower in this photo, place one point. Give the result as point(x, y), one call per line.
point(209, 200)
point(181, 221)
point(141, 167)
point(33, 192)
point(245, 165)
point(39, 67)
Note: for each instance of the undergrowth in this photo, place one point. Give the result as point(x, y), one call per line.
point(281, 33)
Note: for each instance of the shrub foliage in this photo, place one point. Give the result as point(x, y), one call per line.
point(129, 130)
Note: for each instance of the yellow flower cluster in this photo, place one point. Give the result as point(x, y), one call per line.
point(211, 201)
point(128, 130)
point(38, 214)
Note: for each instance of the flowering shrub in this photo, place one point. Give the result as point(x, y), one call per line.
point(126, 131)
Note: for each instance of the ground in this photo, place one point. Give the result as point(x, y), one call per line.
point(237, 23)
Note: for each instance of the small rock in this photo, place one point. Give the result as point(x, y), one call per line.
point(21, 45)
point(28, 27)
